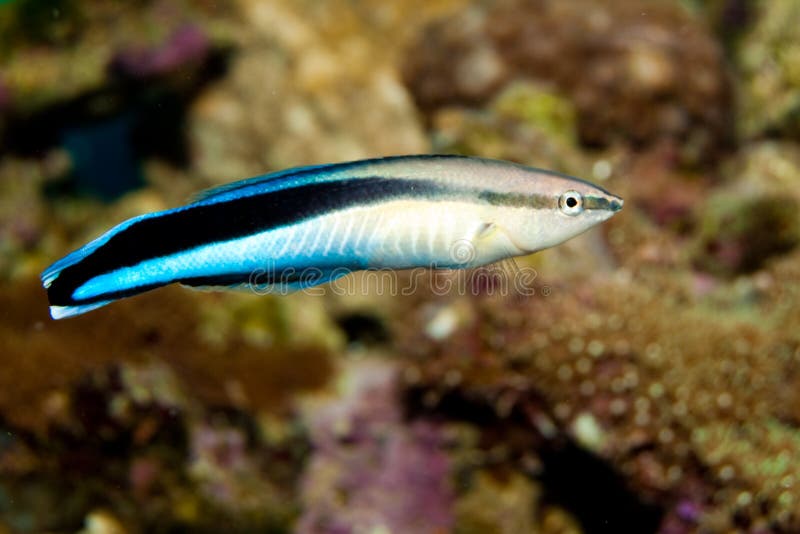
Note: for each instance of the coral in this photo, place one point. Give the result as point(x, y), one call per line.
point(768, 59)
point(370, 471)
point(339, 99)
point(522, 116)
point(83, 43)
point(754, 465)
point(644, 376)
point(131, 438)
point(753, 218)
point(22, 213)
point(740, 234)
point(230, 476)
point(539, 107)
point(670, 197)
point(188, 44)
point(765, 168)
point(170, 330)
point(498, 506)
point(622, 70)
point(597, 361)
point(155, 419)
point(115, 91)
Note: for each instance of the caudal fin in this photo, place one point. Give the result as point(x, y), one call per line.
point(64, 278)
point(50, 274)
point(60, 308)
point(62, 312)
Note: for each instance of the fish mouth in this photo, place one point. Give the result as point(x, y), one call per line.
point(610, 203)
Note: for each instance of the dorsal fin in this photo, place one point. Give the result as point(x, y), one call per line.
point(226, 190)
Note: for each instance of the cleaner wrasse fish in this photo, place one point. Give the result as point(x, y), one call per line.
point(391, 213)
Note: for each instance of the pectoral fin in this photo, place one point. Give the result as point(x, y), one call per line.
point(486, 231)
point(492, 242)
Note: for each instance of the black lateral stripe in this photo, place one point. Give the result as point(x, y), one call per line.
point(203, 224)
point(519, 200)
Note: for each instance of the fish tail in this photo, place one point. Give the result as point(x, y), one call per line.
point(60, 280)
point(52, 273)
point(62, 312)
point(66, 280)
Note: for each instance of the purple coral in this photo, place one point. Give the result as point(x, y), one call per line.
point(683, 518)
point(219, 455)
point(689, 511)
point(370, 469)
point(186, 45)
point(223, 447)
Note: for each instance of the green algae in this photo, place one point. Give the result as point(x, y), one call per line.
point(543, 109)
point(768, 58)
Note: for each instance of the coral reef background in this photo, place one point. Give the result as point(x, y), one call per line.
point(644, 378)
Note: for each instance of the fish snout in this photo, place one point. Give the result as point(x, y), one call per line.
point(604, 202)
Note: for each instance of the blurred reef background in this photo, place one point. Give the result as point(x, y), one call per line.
point(650, 384)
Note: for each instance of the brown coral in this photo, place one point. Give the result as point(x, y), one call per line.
point(631, 373)
point(42, 358)
point(636, 70)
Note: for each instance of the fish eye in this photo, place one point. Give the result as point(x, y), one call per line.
point(571, 203)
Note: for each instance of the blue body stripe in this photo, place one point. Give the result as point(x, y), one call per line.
point(228, 263)
point(164, 247)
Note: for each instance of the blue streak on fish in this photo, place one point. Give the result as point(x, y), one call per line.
point(398, 212)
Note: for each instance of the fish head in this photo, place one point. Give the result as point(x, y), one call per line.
point(564, 208)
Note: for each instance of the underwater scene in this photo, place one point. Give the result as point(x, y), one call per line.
point(640, 375)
